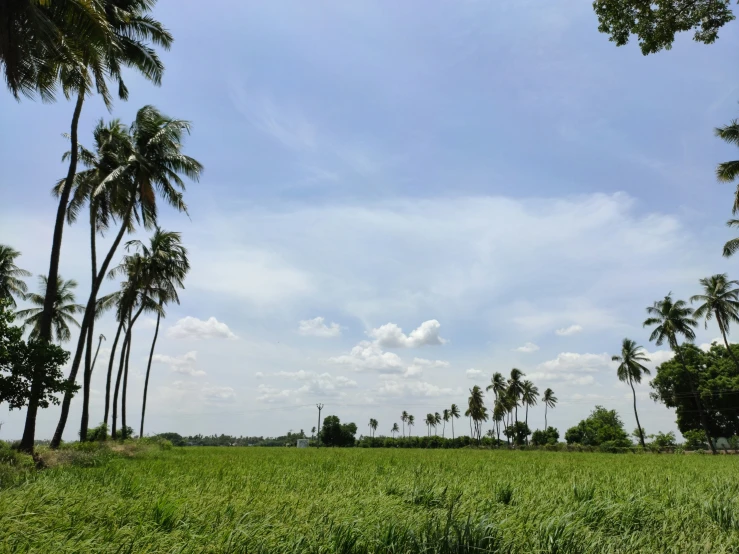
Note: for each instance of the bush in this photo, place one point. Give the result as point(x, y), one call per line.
point(601, 426)
point(543, 438)
point(695, 439)
point(14, 466)
point(99, 433)
point(664, 440)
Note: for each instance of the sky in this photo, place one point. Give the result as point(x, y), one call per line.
point(399, 200)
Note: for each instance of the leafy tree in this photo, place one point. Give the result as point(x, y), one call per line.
point(453, 414)
point(663, 440)
point(519, 432)
point(656, 22)
point(673, 318)
point(720, 299)
point(542, 438)
point(11, 282)
point(630, 370)
point(334, 433)
point(19, 360)
point(64, 309)
point(601, 426)
point(695, 439)
point(499, 413)
point(714, 376)
point(550, 401)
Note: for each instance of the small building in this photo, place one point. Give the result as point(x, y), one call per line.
point(303, 443)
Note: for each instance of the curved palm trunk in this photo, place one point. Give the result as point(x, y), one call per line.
point(110, 371)
point(29, 430)
point(124, 428)
point(638, 425)
point(118, 378)
point(443, 429)
point(697, 398)
point(526, 422)
point(84, 423)
point(452, 429)
point(148, 370)
point(90, 331)
point(87, 320)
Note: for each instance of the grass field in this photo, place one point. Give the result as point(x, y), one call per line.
point(273, 500)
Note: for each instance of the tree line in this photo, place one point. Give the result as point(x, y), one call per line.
point(80, 48)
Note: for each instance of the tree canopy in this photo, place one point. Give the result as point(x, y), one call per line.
point(334, 433)
point(600, 427)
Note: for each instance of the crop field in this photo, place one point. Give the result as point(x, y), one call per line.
point(272, 500)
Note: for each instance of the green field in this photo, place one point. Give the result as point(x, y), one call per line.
point(273, 500)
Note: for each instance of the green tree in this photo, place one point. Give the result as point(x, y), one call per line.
point(728, 172)
point(404, 420)
point(64, 309)
point(373, 427)
point(499, 413)
point(477, 411)
point(394, 430)
point(11, 282)
point(630, 370)
point(529, 396)
point(550, 401)
point(454, 414)
point(411, 421)
point(437, 420)
point(429, 421)
point(720, 299)
point(445, 416)
point(334, 433)
point(542, 438)
point(656, 22)
point(601, 426)
point(515, 388)
point(670, 319)
point(519, 432)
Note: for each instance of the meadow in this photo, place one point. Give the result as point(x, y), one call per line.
point(275, 500)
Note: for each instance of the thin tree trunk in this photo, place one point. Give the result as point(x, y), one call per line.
point(86, 322)
point(452, 428)
point(699, 403)
point(726, 341)
point(545, 417)
point(84, 423)
point(443, 429)
point(638, 425)
point(29, 430)
point(124, 427)
point(123, 369)
point(118, 378)
point(110, 371)
point(148, 369)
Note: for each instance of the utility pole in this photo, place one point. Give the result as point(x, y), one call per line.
point(318, 435)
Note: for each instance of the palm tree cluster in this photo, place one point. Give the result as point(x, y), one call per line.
point(81, 48)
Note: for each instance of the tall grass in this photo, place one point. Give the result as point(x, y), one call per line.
point(358, 501)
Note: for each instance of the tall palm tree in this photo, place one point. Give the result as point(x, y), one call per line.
point(630, 369)
point(497, 385)
point(11, 282)
point(550, 401)
point(394, 430)
point(720, 299)
point(404, 419)
point(411, 420)
point(429, 421)
point(477, 410)
point(515, 387)
point(728, 172)
point(437, 421)
point(373, 426)
point(499, 413)
point(454, 414)
point(445, 416)
point(672, 318)
point(529, 396)
point(153, 168)
point(64, 309)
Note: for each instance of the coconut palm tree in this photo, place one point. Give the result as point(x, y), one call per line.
point(411, 422)
point(437, 421)
point(373, 427)
point(445, 416)
point(497, 385)
point(529, 396)
point(454, 414)
point(720, 298)
point(630, 369)
point(394, 430)
point(672, 318)
point(64, 309)
point(477, 410)
point(514, 388)
point(404, 420)
point(499, 413)
point(550, 401)
point(11, 282)
point(728, 172)
point(152, 169)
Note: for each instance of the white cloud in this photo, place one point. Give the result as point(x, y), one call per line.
point(193, 328)
point(368, 356)
point(184, 364)
point(567, 331)
point(526, 348)
point(419, 364)
point(474, 374)
point(660, 356)
point(571, 378)
point(706, 346)
point(314, 384)
point(574, 362)
point(259, 375)
point(391, 335)
point(219, 394)
point(395, 388)
point(317, 328)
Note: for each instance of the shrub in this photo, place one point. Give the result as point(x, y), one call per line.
point(542, 438)
point(695, 439)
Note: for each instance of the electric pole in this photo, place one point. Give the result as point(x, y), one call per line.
point(320, 407)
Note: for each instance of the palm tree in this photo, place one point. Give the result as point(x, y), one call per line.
point(673, 318)
point(404, 419)
point(630, 370)
point(499, 413)
point(729, 171)
point(437, 421)
point(497, 385)
point(154, 166)
point(11, 284)
point(64, 309)
point(394, 430)
point(454, 414)
point(373, 427)
point(477, 410)
point(720, 299)
point(515, 387)
point(445, 416)
point(529, 395)
point(549, 402)
point(411, 422)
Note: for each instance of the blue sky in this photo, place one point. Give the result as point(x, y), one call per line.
point(500, 171)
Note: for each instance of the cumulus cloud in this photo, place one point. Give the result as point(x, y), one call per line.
point(396, 388)
point(317, 328)
point(314, 384)
point(259, 375)
point(418, 365)
point(216, 393)
point(193, 328)
point(661, 356)
point(706, 346)
point(574, 362)
point(391, 335)
point(474, 374)
point(567, 331)
point(189, 394)
point(526, 348)
point(184, 364)
point(368, 356)
point(571, 378)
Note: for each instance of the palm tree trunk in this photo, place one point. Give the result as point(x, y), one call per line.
point(90, 331)
point(124, 428)
point(87, 320)
point(110, 371)
point(443, 429)
point(696, 396)
point(726, 340)
point(545, 416)
point(452, 428)
point(118, 378)
point(148, 369)
point(29, 430)
point(638, 425)
point(403, 422)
